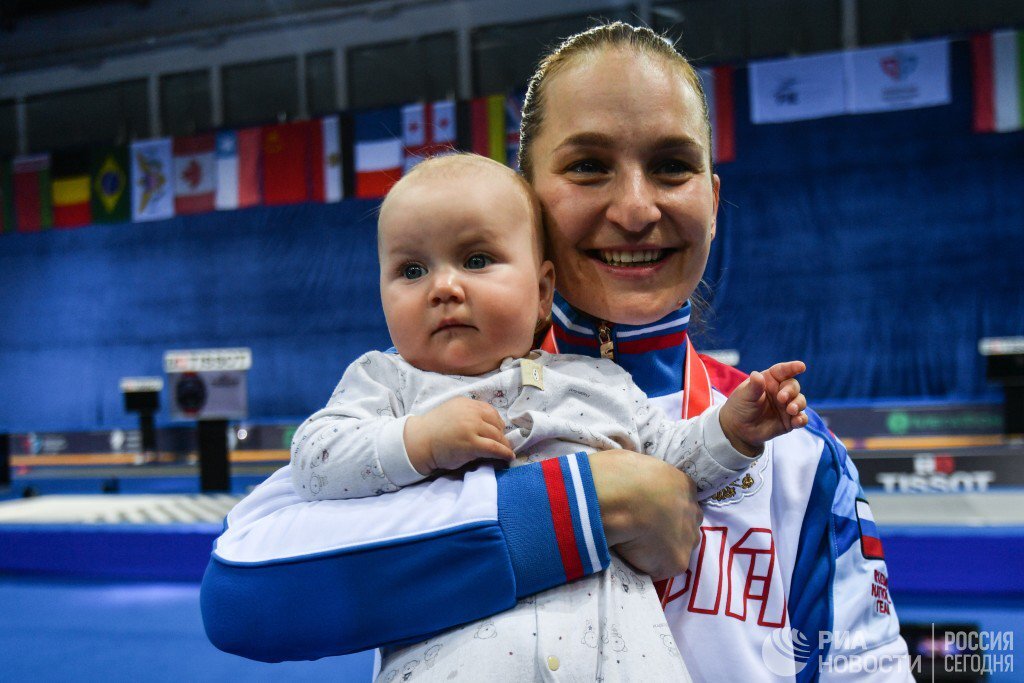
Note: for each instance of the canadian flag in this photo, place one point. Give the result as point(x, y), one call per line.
point(428, 129)
point(195, 174)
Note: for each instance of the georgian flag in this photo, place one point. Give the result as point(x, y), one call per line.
point(428, 129)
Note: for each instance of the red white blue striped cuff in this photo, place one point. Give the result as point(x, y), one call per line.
point(551, 521)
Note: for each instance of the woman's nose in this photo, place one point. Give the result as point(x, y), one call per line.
point(633, 204)
point(446, 288)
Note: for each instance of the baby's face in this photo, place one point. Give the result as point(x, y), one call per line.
point(461, 283)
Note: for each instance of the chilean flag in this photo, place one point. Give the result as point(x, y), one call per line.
point(428, 129)
point(238, 169)
point(870, 543)
point(379, 154)
point(195, 174)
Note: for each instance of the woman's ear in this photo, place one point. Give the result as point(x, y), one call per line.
point(547, 289)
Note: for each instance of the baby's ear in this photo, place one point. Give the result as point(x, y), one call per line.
point(546, 288)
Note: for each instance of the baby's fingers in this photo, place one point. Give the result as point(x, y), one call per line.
point(780, 372)
point(493, 450)
point(490, 415)
point(489, 431)
point(788, 390)
point(797, 405)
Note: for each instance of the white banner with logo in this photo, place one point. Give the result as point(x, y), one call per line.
point(904, 76)
point(796, 89)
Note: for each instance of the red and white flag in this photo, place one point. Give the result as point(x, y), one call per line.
point(998, 70)
point(428, 129)
point(718, 84)
point(195, 174)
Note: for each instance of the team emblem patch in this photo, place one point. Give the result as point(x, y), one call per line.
point(870, 543)
point(747, 485)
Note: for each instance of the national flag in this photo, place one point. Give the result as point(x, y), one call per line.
point(195, 174)
point(379, 154)
point(718, 84)
point(482, 127)
point(111, 194)
point(870, 541)
point(152, 180)
point(238, 168)
point(428, 129)
point(905, 76)
point(6, 197)
point(69, 190)
point(33, 209)
point(513, 119)
point(798, 88)
point(325, 159)
point(286, 163)
point(998, 69)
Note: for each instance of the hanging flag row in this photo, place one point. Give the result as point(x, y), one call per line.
point(389, 142)
point(906, 76)
point(160, 178)
point(359, 154)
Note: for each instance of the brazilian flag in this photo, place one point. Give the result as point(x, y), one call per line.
point(111, 185)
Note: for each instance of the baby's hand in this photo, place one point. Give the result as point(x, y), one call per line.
point(767, 404)
point(456, 432)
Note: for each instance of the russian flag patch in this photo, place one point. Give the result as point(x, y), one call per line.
point(870, 543)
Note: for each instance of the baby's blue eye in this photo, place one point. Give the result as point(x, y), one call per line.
point(478, 261)
point(412, 271)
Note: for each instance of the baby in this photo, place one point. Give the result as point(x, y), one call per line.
point(466, 290)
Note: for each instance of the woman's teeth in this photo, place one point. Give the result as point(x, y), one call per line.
point(631, 258)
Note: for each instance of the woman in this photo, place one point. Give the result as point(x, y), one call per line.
point(616, 142)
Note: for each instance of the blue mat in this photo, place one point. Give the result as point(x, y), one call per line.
point(67, 630)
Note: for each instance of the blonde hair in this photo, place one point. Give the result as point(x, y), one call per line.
point(639, 39)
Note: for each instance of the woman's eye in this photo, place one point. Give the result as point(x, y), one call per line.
point(412, 271)
point(676, 167)
point(586, 166)
point(478, 261)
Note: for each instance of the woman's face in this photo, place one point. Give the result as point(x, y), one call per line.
point(621, 167)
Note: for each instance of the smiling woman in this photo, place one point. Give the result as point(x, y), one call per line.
point(626, 183)
point(616, 143)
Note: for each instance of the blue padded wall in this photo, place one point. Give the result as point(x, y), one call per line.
point(878, 248)
point(82, 308)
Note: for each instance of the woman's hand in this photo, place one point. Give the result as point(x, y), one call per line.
point(649, 510)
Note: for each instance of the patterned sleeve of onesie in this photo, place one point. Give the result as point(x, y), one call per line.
point(697, 446)
point(353, 447)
